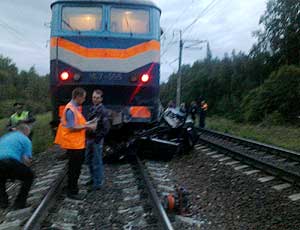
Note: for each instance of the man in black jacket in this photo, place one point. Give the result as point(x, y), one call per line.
point(94, 147)
point(202, 115)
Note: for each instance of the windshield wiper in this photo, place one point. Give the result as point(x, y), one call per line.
point(130, 30)
point(70, 27)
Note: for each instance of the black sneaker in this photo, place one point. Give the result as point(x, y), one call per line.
point(91, 189)
point(90, 182)
point(4, 205)
point(74, 196)
point(18, 206)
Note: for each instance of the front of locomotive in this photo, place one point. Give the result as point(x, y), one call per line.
point(112, 45)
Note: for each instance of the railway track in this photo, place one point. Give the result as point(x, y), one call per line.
point(45, 183)
point(135, 194)
point(278, 162)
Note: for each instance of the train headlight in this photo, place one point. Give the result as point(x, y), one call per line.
point(145, 78)
point(64, 76)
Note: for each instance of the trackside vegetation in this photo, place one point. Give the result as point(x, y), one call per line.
point(278, 135)
point(22, 86)
point(259, 86)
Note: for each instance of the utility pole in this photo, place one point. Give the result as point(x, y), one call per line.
point(193, 45)
point(178, 91)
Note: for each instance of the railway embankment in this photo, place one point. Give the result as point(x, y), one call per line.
point(285, 136)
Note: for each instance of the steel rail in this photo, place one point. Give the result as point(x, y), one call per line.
point(270, 148)
point(166, 224)
point(12, 186)
point(36, 218)
point(277, 170)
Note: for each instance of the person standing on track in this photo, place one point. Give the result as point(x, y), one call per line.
point(71, 136)
point(95, 139)
point(15, 162)
point(202, 115)
point(193, 110)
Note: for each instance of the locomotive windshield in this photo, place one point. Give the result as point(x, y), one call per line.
point(124, 20)
point(82, 18)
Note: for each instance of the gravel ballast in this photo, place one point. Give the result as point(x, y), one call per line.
point(229, 199)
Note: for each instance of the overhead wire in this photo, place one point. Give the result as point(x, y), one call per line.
point(196, 34)
point(203, 12)
point(182, 13)
point(211, 5)
point(170, 64)
point(168, 46)
point(185, 10)
point(18, 34)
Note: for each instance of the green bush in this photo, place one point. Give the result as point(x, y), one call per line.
point(279, 94)
point(274, 118)
point(6, 108)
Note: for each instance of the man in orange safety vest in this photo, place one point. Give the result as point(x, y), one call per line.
point(71, 136)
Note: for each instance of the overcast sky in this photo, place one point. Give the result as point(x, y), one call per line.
point(226, 24)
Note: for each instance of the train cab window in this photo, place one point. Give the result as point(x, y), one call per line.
point(82, 18)
point(129, 21)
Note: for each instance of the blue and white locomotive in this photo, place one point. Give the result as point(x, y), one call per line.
point(112, 45)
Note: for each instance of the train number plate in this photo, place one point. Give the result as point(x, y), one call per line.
point(107, 76)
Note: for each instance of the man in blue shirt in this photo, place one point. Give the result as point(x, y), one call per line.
point(15, 162)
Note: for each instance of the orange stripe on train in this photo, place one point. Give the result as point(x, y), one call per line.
point(105, 53)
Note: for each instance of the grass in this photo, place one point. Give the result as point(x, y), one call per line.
point(282, 136)
point(42, 134)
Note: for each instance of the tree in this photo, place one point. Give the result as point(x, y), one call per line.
point(7, 65)
point(26, 86)
point(281, 34)
point(208, 52)
point(241, 86)
point(279, 94)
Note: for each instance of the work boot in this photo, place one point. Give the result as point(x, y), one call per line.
point(74, 196)
point(90, 182)
point(18, 206)
point(92, 189)
point(3, 201)
point(4, 204)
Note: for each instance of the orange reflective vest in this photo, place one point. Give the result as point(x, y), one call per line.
point(65, 137)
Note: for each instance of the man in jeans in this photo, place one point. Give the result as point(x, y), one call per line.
point(15, 162)
point(94, 147)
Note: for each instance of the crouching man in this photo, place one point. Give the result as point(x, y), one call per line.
point(15, 162)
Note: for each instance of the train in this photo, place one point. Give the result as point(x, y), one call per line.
point(112, 45)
